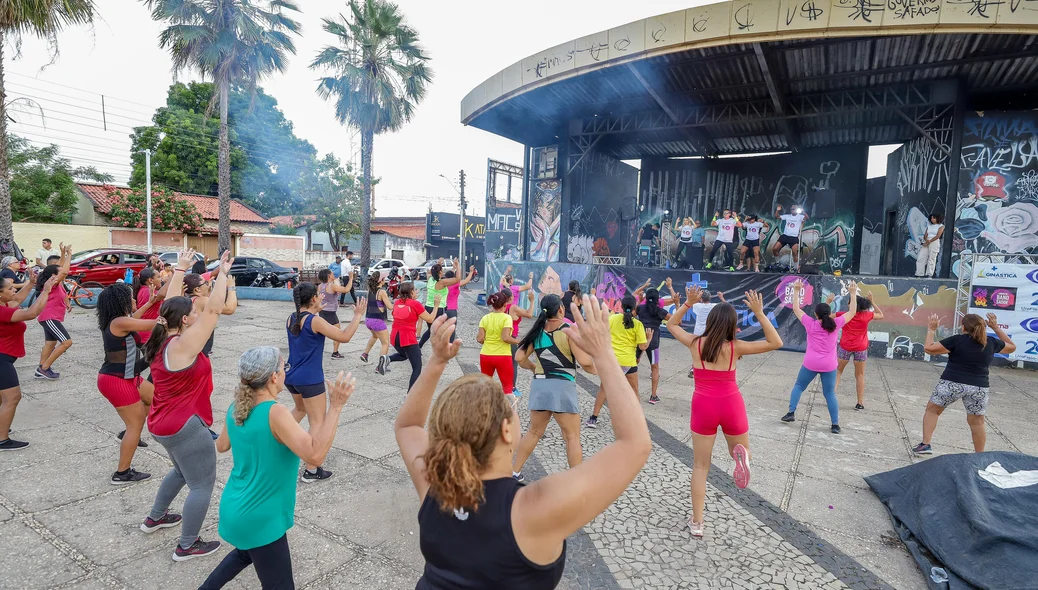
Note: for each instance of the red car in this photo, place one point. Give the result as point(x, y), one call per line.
point(106, 266)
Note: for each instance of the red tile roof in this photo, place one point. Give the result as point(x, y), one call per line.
point(304, 220)
point(209, 207)
point(414, 230)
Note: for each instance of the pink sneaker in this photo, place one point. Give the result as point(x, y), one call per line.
point(697, 528)
point(742, 466)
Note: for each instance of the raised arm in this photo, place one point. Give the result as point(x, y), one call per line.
point(344, 334)
point(877, 313)
point(444, 283)
point(231, 302)
point(26, 288)
point(34, 310)
point(930, 347)
point(123, 326)
point(66, 261)
point(546, 512)
point(312, 446)
point(641, 290)
point(184, 350)
point(528, 285)
point(852, 306)
point(468, 278)
point(1010, 346)
point(795, 304)
point(692, 293)
point(772, 340)
point(175, 286)
point(153, 300)
point(409, 428)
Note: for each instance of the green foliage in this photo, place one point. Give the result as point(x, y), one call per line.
point(332, 193)
point(43, 184)
point(283, 229)
point(168, 213)
point(266, 156)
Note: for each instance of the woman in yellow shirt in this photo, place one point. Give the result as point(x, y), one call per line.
point(628, 335)
point(495, 334)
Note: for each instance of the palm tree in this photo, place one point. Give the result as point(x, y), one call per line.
point(231, 42)
point(44, 19)
point(379, 75)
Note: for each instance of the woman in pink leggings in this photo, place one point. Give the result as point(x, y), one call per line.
point(716, 401)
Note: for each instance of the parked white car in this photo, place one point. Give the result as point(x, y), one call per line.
point(383, 267)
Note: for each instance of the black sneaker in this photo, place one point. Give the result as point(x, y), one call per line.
point(166, 521)
point(364, 358)
point(859, 407)
point(653, 399)
point(592, 422)
point(383, 362)
point(42, 373)
point(199, 548)
point(336, 355)
point(312, 476)
point(13, 445)
point(835, 429)
point(519, 477)
point(789, 417)
point(140, 443)
point(922, 449)
point(131, 475)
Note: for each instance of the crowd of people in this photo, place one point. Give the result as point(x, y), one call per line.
point(465, 451)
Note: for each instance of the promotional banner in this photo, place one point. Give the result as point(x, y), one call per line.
point(1010, 291)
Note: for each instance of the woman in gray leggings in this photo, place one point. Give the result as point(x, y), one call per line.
point(181, 411)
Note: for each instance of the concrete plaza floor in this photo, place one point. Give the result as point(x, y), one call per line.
point(806, 521)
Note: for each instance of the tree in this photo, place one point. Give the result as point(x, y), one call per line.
point(43, 184)
point(168, 212)
point(332, 194)
point(233, 43)
point(44, 19)
point(266, 156)
point(379, 74)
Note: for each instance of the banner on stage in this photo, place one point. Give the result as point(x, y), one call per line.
point(1010, 291)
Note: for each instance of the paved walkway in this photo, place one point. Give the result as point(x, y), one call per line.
point(807, 520)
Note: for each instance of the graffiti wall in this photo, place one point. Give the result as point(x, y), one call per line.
point(501, 241)
point(997, 207)
point(699, 188)
point(916, 186)
point(596, 225)
point(905, 302)
point(872, 228)
point(545, 219)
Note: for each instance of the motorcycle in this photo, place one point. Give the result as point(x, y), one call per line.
point(393, 283)
point(273, 279)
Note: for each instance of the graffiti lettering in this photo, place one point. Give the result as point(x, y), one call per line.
point(808, 10)
point(977, 7)
point(922, 168)
point(744, 17)
point(1002, 157)
point(658, 34)
point(622, 44)
point(611, 290)
point(913, 8)
point(699, 24)
point(593, 49)
point(860, 9)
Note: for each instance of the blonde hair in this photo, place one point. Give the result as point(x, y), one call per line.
point(976, 327)
point(255, 369)
point(464, 427)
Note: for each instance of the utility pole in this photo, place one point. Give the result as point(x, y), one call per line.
point(461, 238)
point(147, 189)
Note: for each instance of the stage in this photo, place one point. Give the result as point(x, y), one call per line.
point(906, 302)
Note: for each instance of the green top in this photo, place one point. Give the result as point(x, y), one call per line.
point(259, 501)
point(431, 292)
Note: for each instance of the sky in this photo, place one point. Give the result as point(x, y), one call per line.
point(468, 41)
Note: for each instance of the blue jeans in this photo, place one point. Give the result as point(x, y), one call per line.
point(804, 378)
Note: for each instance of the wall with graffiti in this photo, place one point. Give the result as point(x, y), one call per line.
point(504, 226)
point(596, 228)
point(916, 187)
point(545, 219)
point(698, 188)
point(997, 208)
point(905, 302)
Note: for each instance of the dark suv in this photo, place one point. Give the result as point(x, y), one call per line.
point(245, 269)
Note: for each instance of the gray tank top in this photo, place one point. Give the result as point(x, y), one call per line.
point(329, 299)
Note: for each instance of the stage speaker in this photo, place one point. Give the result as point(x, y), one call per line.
point(825, 203)
point(810, 269)
point(629, 209)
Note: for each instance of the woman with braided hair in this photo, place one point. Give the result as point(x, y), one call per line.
point(304, 378)
point(257, 506)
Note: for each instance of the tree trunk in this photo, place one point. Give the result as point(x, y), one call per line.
point(224, 185)
point(367, 139)
point(6, 229)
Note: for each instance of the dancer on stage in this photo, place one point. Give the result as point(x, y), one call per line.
point(478, 526)
point(820, 357)
point(930, 247)
point(407, 312)
point(684, 243)
point(495, 334)
point(547, 351)
point(725, 235)
point(716, 401)
point(628, 335)
point(854, 344)
point(750, 247)
point(792, 224)
point(328, 291)
point(965, 376)
point(375, 321)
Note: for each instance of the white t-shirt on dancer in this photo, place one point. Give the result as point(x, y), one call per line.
point(793, 224)
point(753, 230)
point(726, 230)
point(701, 311)
point(686, 233)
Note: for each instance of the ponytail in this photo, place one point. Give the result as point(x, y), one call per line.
point(575, 287)
point(171, 317)
point(824, 314)
point(976, 327)
point(302, 295)
point(255, 368)
point(652, 304)
point(628, 304)
point(497, 300)
point(550, 305)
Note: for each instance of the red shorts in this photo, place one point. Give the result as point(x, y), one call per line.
point(728, 412)
point(120, 392)
point(503, 366)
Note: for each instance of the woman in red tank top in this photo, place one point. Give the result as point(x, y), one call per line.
point(181, 411)
point(716, 401)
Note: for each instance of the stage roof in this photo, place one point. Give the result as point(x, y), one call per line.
point(768, 75)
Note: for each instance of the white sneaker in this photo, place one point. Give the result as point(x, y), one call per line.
point(697, 528)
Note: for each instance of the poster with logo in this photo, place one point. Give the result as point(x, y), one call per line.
point(1010, 291)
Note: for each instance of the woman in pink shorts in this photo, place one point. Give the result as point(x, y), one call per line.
point(716, 401)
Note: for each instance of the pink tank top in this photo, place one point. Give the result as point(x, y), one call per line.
point(714, 383)
point(515, 323)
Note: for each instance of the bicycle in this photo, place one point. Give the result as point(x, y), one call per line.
point(82, 294)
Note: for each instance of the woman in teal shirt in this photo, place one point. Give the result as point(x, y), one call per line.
point(259, 501)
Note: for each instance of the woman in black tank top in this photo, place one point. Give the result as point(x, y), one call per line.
point(479, 527)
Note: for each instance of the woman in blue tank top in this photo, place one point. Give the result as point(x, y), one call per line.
point(463, 461)
point(304, 377)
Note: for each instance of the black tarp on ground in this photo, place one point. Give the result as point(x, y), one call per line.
point(982, 535)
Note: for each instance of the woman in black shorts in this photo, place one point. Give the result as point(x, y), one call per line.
point(328, 290)
point(965, 376)
point(652, 316)
point(12, 347)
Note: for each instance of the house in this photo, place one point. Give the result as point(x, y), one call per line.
point(402, 238)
